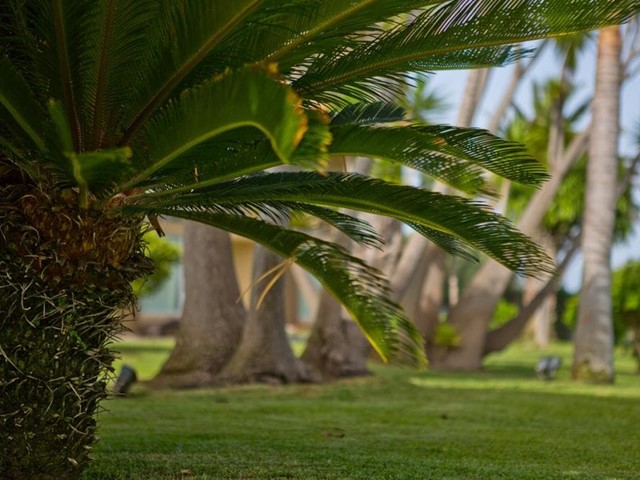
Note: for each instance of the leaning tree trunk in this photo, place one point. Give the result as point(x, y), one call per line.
point(264, 354)
point(540, 327)
point(473, 313)
point(593, 355)
point(212, 318)
point(65, 276)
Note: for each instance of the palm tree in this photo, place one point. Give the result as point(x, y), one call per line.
point(116, 111)
point(593, 354)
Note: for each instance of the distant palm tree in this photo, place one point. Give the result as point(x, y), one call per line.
point(113, 111)
point(593, 354)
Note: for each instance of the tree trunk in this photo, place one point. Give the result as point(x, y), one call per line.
point(336, 347)
point(540, 326)
point(423, 300)
point(498, 339)
point(264, 354)
point(471, 316)
point(593, 355)
point(65, 276)
point(213, 317)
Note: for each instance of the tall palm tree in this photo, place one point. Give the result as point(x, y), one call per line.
point(117, 110)
point(593, 354)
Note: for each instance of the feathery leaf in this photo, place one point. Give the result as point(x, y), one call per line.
point(469, 221)
point(244, 98)
point(361, 289)
point(448, 154)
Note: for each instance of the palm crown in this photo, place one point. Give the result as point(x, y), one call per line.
point(182, 108)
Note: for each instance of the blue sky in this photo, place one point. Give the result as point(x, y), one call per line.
point(450, 86)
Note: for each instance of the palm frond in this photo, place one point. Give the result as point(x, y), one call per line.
point(448, 154)
point(456, 34)
point(356, 229)
point(19, 103)
point(317, 26)
point(447, 243)
point(190, 32)
point(245, 98)
point(62, 29)
point(361, 289)
point(91, 172)
point(115, 50)
point(368, 113)
point(469, 221)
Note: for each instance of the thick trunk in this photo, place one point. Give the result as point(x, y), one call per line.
point(212, 319)
point(336, 347)
point(264, 354)
point(65, 278)
point(593, 355)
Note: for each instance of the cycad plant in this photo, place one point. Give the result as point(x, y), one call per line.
point(114, 111)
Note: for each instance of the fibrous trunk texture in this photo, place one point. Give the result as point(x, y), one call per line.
point(213, 317)
point(65, 278)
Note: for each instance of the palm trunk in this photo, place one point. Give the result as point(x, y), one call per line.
point(471, 316)
point(336, 347)
point(593, 355)
point(540, 327)
point(264, 354)
point(212, 318)
point(65, 278)
point(498, 339)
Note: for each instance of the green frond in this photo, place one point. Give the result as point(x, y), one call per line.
point(218, 160)
point(190, 31)
point(469, 221)
point(63, 25)
point(242, 151)
point(361, 289)
point(115, 51)
point(18, 103)
point(319, 26)
point(456, 34)
point(245, 98)
point(448, 154)
point(369, 113)
point(448, 243)
point(356, 229)
point(93, 171)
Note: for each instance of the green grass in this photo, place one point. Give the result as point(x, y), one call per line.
point(397, 424)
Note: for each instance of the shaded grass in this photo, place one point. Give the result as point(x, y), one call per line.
point(500, 423)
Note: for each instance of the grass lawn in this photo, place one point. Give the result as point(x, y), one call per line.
point(397, 424)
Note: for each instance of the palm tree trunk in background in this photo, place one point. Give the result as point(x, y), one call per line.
point(472, 314)
point(593, 355)
point(540, 327)
point(264, 354)
point(336, 347)
point(212, 318)
point(498, 339)
point(421, 280)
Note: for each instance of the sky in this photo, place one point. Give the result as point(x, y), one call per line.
point(450, 85)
